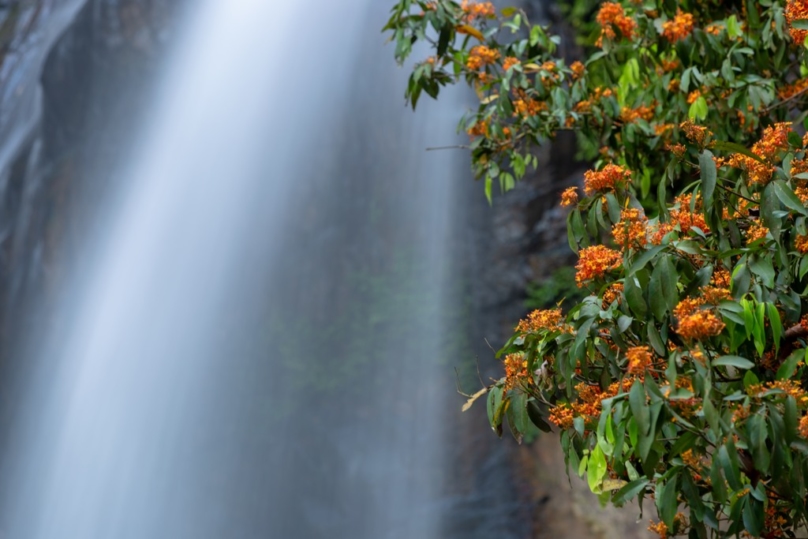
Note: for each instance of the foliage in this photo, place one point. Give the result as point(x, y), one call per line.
point(560, 288)
point(680, 375)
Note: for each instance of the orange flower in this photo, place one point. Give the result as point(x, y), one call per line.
point(756, 232)
point(578, 70)
point(526, 106)
point(639, 359)
point(594, 262)
point(669, 65)
point(693, 96)
point(679, 28)
point(683, 218)
point(605, 180)
point(801, 244)
point(773, 141)
point(678, 150)
point(611, 16)
point(569, 197)
point(476, 10)
point(632, 230)
point(515, 371)
point(661, 129)
point(509, 62)
point(613, 293)
point(700, 325)
point(481, 56)
point(797, 10)
point(790, 90)
point(694, 133)
point(721, 277)
point(687, 307)
point(540, 320)
point(804, 426)
point(659, 528)
point(714, 29)
point(479, 129)
point(644, 112)
point(715, 295)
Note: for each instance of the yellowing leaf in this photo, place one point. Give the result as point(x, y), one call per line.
point(613, 484)
point(531, 68)
point(470, 30)
point(473, 398)
point(489, 99)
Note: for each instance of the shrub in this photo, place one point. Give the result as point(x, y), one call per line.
point(680, 375)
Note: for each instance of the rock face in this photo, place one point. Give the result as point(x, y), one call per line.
point(69, 68)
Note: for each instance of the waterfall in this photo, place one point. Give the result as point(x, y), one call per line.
point(258, 348)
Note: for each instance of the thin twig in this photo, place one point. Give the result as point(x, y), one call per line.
point(458, 147)
point(728, 190)
point(784, 101)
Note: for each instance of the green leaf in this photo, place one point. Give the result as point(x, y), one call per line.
point(634, 297)
point(729, 463)
point(776, 325)
point(639, 407)
point(733, 361)
point(596, 469)
point(788, 198)
point(709, 175)
point(640, 262)
point(667, 500)
point(493, 404)
point(520, 415)
point(753, 516)
point(629, 491)
point(758, 433)
point(655, 339)
point(789, 366)
point(662, 288)
point(762, 267)
point(698, 110)
point(534, 413)
point(623, 323)
point(736, 148)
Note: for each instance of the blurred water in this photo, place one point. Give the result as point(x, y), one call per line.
point(257, 350)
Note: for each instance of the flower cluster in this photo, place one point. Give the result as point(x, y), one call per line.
point(679, 28)
point(607, 179)
point(639, 359)
point(516, 372)
point(481, 56)
point(569, 197)
point(694, 133)
point(682, 219)
point(539, 320)
point(594, 262)
point(611, 16)
point(510, 62)
point(642, 112)
point(797, 10)
point(768, 149)
point(632, 230)
point(699, 325)
point(475, 10)
point(526, 106)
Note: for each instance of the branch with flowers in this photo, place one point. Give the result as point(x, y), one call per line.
point(681, 377)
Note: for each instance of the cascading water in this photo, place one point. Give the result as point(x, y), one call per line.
point(255, 351)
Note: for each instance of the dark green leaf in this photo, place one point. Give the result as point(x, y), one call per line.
point(708, 178)
point(733, 361)
point(629, 491)
point(788, 198)
point(639, 407)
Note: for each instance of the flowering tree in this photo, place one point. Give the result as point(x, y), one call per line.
point(680, 377)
